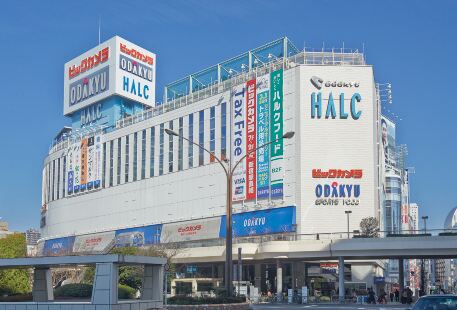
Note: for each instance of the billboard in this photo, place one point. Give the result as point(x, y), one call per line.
point(94, 243)
point(138, 236)
point(59, 246)
point(262, 222)
point(276, 132)
point(84, 164)
point(388, 143)
point(338, 146)
point(191, 230)
point(251, 140)
point(116, 66)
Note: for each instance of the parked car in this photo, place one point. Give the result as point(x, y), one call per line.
point(436, 302)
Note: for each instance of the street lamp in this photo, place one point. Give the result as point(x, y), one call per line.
point(347, 213)
point(229, 174)
point(425, 218)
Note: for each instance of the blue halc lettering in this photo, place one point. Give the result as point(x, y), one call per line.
point(330, 109)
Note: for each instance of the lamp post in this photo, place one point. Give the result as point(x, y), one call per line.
point(425, 218)
point(229, 170)
point(347, 213)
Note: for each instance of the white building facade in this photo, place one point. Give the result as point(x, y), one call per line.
point(116, 178)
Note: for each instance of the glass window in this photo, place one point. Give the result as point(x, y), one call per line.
point(111, 162)
point(161, 133)
point(212, 132)
point(135, 156)
point(58, 178)
point(180, 144)
point(143, 154)
point(201, 137)
point(151, 159)
point(104, 165)
point(126, 171)
point(223, 130)
point(170, 148)
point(119, 161)
point(191, 140)
point(53, 178)
point(64, 175)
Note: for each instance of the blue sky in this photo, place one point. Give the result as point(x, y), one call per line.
point(411, 44)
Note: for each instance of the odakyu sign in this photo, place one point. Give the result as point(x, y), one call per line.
point(115, 67)
point(337, 193)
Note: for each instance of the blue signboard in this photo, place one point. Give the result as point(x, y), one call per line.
point(59, 246)
point(262, 222)
point(263, 154)
point(138, 236)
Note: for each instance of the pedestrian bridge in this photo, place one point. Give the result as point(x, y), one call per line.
point(355, 248)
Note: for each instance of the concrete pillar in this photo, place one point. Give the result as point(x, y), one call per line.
point(401, 275)
point(106, 281)
point(42, 285)
point(257, 275)
point(152, 283)
point(278, 278)
point(299, 277)
point(341, 279)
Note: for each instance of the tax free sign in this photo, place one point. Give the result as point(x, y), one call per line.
point(114, 67)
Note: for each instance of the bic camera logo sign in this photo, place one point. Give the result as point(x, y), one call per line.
point(340, 107)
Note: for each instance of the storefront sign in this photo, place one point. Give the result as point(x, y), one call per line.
point(337, 174)
point(94, 243)
point(251, 141)
point(271, 221)
point(191, 230)
point(276, 132)
point(263, 137)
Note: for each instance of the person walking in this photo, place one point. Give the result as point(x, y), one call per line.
point(392, 296)
point(397, 295)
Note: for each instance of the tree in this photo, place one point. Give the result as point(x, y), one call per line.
point(369, 227)
point(14, 281)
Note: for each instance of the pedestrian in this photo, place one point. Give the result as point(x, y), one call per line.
point(392, 296)
point(409, 296)
point(397, 295)
point(371, 296)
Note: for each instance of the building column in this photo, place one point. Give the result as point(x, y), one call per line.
point(152, 283)
point(106, 280)
point(42, 285)
point(258, 275)
point(401, 275)
point(341, 279)
point(279, 279)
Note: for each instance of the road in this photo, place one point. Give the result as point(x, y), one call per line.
point(332, 306)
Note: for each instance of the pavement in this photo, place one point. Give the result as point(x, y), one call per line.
point(332, 306)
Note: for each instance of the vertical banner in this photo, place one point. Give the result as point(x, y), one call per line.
point(90, 162)
point(277, 148)
point(77, 165)
point(251, 159)
point(98, 161)
point(238, 141)
point(263, 121)
point(70, 170)
point(84, 143)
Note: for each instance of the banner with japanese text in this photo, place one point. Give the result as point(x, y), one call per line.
point(277, 147)
point(263, 136)
point(251, 141)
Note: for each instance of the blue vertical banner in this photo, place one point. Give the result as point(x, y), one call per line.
point(276, 127)
point(263, 125)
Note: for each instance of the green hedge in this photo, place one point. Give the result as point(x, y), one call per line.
point(81, 290)
point(74, 290)
point(185, 300)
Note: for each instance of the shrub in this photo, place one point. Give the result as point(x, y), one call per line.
point(79, 290)
point(16, 298)
point(126, 292)
point(186, 300)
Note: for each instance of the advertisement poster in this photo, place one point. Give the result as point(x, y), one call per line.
point(388, 143)
point(138, 236)
point(77, 166)
point(58, 247)
point(94, 243)
point(251, 141)
point(191, 230)
point(262, 222)
point(84, 143)
point(276, 127)
point(263, 137)
point(239, 141)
